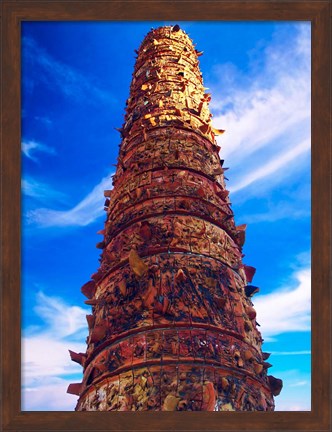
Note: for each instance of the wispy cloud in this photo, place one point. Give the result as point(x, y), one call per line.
point(286, 309)
point(266, 114)
point(40, 191)
point(46, 366)
point(299, 384)
point(29, 148)
point(48, 395)
point(69, 319)
point(277, 211)
point(291, 353)
point(46, 121)
point(85, 212)
point(69, 81)
point(271, 166)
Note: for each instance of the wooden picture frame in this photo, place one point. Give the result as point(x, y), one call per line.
point(13, 13)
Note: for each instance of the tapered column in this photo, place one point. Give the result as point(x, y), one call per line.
point(172, 325)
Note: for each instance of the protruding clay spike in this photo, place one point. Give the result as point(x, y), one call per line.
point(250, 290)
point(180, 276)
point(98, 333)
point(77, 357)
point(108, 192)
point(89, 289)
point(250, 272)
point(90, 320)
point(267, 365)
point(223, 194)
point(241, 238)
point(266, 355)
point(276, 385)
point(218, 131)
point(74, 388)
point(92, 302)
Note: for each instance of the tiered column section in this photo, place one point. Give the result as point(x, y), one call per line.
point(172, 324)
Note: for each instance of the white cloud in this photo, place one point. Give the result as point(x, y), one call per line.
point(266, 115)
point(69, 319)
point(45, 358)
point(272, 166)
point(85, 212)
point(31, 147)
point(286, 309)
point(277, 211)
point(40, 191)
point(49, 397)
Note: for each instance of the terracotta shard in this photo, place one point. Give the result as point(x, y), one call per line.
point(218, 131)
point(267, 365)
point(170, 403)
point(251, 312)
point(251, 290)
point(276, 385)
point(220, 301)
point(137, 264)
point(224, 383)
point(77, 357)
point(98, 333)
point(209, 397)
point(250, 272)
point(265, 355)
point(74, 388)
point(248, 355)
point(90, 320)
point(89, 289)
point(108, 193)
point(180, 276)
point(92, 302)
point(258, 368)
point(145, 231)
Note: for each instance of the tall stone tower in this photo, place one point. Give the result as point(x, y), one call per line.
point(173, 325)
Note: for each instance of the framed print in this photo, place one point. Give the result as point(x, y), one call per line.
point(66, 71)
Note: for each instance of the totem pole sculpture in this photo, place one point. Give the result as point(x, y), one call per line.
point(172, 326)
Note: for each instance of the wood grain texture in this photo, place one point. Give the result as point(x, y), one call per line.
point(13, 12)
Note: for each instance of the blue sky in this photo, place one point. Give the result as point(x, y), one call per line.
point(75, 81)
